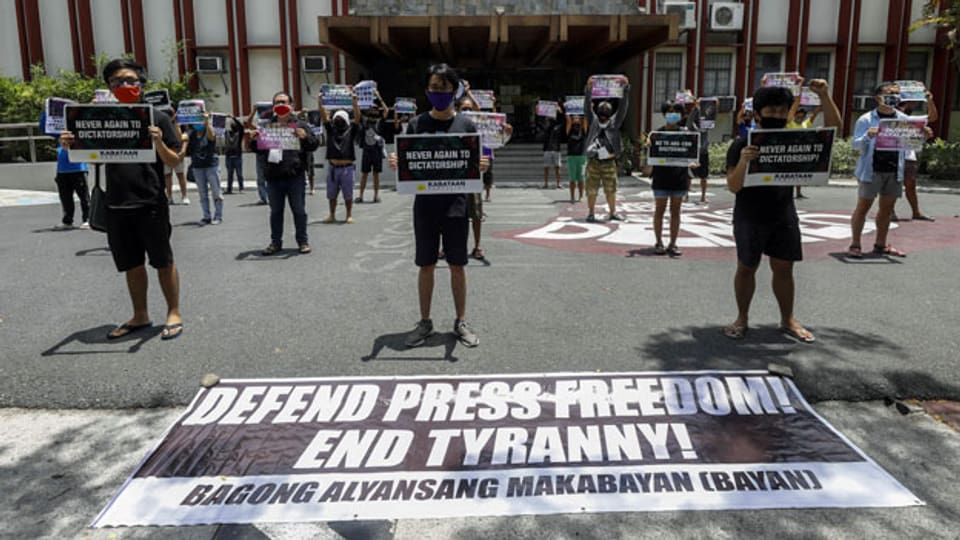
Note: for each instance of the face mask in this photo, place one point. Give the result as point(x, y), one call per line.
point(340, 124)
point(773, 123)
point(281, 110)
point(127, 94)
point(440, 100)
point(891, 100)
point(673, 117)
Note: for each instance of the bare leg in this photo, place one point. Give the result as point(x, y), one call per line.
point(137, 286)
point(363, 184)
point(183, 185)
point(332, 203)
point(784, 291)
point(425, 290)
point(557, 171)
point(572, 190)
point(744, 285)
point(612, 202)
point(169, 180)
point(591, 203)
point(170, 285)
point(376, 185)
point(349, 205)
point(458, 283)
point(858, 218)
point(546, 177)
point(884, 213)
point(658, 211)
point(703, 190)
point(477, 225)
point(675, 203)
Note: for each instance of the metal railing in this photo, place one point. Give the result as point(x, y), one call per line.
point(31, 137)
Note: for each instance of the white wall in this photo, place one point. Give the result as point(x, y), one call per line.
point(107, 27)
point(265, 75)
point(55, 23)
point(263, 22)
point(307, 13)
point(873, 21)
point(210, 23)
point(824, 15)
point(927, 34)
point(160, 38)
point(218, 85)
point(772, 21)
point(9, 42)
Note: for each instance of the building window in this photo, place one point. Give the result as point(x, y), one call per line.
point(916, 67)
point(666, 77)
point(866, 78)
point(767, 62)
point(716, 74)
point(818, 66)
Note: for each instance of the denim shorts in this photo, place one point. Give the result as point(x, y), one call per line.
point(667, 193)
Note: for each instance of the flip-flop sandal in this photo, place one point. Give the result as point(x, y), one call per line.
point(127, 330)
point(888, 250)
point(805, 337)
point(735, 331)
point(171, 331)
point(659, 250)
point(924, 218)
point(478, 254)
point(855, 252)
point(673, 251)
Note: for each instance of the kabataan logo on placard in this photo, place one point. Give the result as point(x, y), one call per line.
point(455, 186)
point(119, 154)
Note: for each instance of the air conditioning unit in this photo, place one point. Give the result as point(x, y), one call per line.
point(726, 16)
point(209, 64)
point(864, 103)
point(314, 64)
point(726, 104)
point(687, 12)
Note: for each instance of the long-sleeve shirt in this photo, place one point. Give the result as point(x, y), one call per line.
point(864, 144)
point(612, 129)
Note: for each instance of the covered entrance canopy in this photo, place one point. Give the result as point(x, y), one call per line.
point(499, 41)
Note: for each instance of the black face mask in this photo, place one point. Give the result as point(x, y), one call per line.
point(340, 124)
point(773, 123)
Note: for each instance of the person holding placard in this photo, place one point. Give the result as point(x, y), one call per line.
point(138, 217)
point(702, 171)
point(180, 169)
point(250, 124)
point(284, 168)
point(341, 155)
point(765, 222)
point(552, 133)
point(373, 145)
point(201, 145)
point(910, 161)
point(71, 178)
point(797, 119)
point(233, 151)
point(603, 147)
point(879, 172)
point(669, 184)
point(441, 217)
point(745, 121)
point(576, 130)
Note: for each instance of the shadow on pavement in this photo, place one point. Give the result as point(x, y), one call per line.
point(195, 224)
point(97, 252)
point(52, 229)
point(98, 336)
point(868, 258)
point(247, 205)
point(395, 342)
point(254, 255)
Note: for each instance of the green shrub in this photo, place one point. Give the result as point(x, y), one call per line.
point(941, 160)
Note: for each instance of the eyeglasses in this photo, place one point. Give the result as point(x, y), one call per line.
point(281, 102)
point(126, 81)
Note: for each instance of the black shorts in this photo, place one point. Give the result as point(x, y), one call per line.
point(372, 160)
point(133, 232)
point(780, 240)
point(429, 230)
point(704, 169)
point(488, 176)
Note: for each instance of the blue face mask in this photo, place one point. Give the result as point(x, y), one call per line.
point(672, 117)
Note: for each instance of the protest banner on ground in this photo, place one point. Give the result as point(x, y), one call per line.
point(608, 86)
point(673, 148)
point(573, 105)
point(406, 105)
point(337, 96)
point(54, 121)
point(912, 91)
point(547, 109)
point(790, 157)
point(485, 99)
point(160, 99)
point(366, 94)
point(684, 97)
point(110, 133)
point(708, 112)
point(809, 98)
point(438, 163)
point(103, 95)
point(190, 111)
point(492, 128)
point(791, 80)
point(379, 448)
point(895, 134)
point(277, 138)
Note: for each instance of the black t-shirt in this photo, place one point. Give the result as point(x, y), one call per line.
point(441, 204)
point(387, 130)
point(551, 143)
point(369, 137)
point(133, 185)
point(203, 151)
point(233, 138)
point(340, 144)
point(576, 140)
point(764, 204)
point(886, 161)
point(670, 178)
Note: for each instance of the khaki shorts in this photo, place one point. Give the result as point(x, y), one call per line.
point(884, 184)
point(601, 173)
point(179, 169)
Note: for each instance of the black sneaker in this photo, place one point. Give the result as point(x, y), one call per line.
point(617, 217)
point(419, 334)
point(591, 219)
point(465, 334)
point(272, 249)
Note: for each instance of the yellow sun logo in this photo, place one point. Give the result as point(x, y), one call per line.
point(421, 187)
point(768, 179)
point(94, 155)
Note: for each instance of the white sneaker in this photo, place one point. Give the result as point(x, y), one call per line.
point(85, 225)
point(184, 201)
point(216, 222)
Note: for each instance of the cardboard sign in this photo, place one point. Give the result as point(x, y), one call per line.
point(406, 105)
point(103, 95)
point(385, 448)
point(790, 157)
point(748, 104)
point(53, 107)
point(912, 91)
point(315, 122)
point(791, 80)
point(897, 134)
point(492, 128)
point(366, 94)
point(438, 163)
point(683, 97)
point(337, 96)
point(673, 148)
point(277, 138)
point(190, 111)
point(485, 99)
point(264, 111)
point(218, 123)
point(110, 133)
point(708, 112)
point(608, 86)
point(160, 99)
point(573, 105)
point(547, 109)
point(809, 98)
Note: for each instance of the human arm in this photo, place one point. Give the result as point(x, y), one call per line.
point(831, 113)
point(621, 113)
point(588, 101)
point(793, 109)
point(356, 108)
point(569, 122)
point(737, 172)
point(383, 105)
point(207, 128)
point(863, 132)
point(932, 114)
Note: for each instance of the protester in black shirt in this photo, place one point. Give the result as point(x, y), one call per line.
point(138, 218)
point(441, 217)
point(373, 144)
point(553, 132)
point(764, 222)
point(669, 184)
point(233, 150)
point(576, 130)
point(341, 136)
